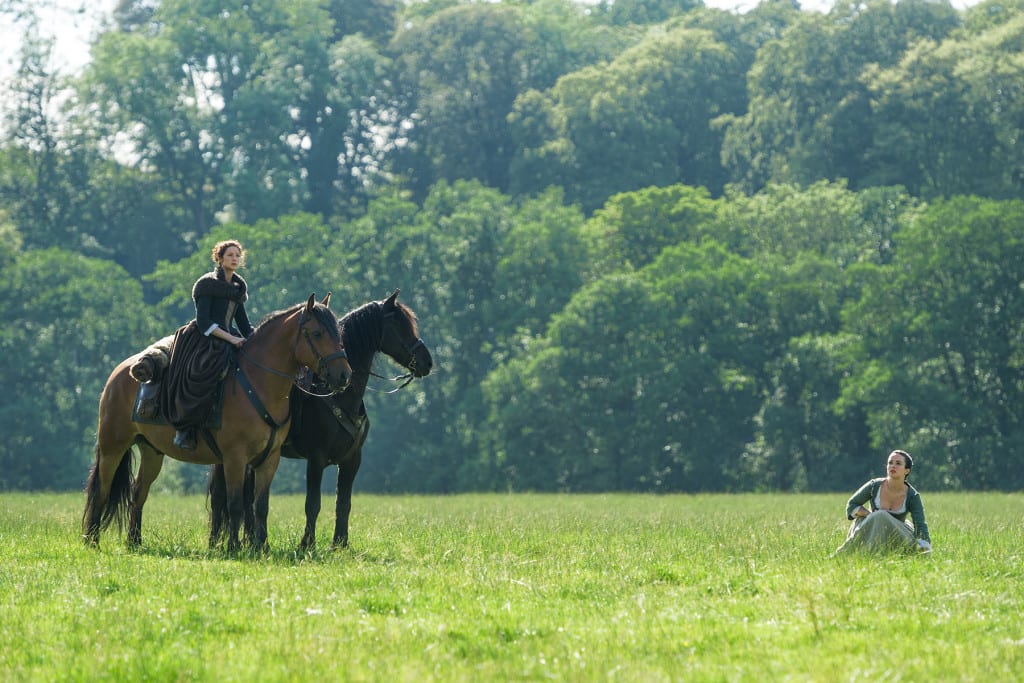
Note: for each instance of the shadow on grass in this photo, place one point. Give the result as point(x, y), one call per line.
point(177, 549)
point(169, 549)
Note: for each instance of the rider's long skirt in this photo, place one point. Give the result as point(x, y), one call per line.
point(197, 365)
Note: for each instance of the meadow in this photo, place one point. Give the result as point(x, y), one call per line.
point(516, 588)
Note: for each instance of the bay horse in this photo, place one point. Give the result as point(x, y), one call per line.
point(331, 430)
point(254, 421)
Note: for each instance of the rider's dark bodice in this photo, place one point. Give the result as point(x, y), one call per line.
point(220, 303)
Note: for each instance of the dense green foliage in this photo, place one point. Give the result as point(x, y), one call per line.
point(611, 587)
point(652, 246)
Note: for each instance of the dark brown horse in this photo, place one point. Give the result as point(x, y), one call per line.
point(254, 421)
point(331, 430)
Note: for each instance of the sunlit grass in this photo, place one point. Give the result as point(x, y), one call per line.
point(519, 587)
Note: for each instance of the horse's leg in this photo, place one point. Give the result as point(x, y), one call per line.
point(249, 519)
point(256, 513)
point(150, 464)
point(234, 481)
point(314, 477)
point(219, 508)
point(107, 493)
point(263, 476)
point(217, 491)
point(343, 506)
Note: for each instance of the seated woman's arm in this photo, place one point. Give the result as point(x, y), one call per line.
point(916, 509)
point(859, 498)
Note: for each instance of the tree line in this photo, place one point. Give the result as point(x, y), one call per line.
point(653, 246)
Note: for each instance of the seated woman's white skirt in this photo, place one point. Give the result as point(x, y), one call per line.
point(879, 532)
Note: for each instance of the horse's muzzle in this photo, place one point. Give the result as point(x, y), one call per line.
point(422, 361)
point(335, 370)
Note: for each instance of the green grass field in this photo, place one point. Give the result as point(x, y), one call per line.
point(516, 588)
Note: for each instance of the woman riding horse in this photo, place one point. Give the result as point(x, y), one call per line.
point(254, 421)
point(201, 349)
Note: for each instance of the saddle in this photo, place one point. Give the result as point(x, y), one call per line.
point(148, 371)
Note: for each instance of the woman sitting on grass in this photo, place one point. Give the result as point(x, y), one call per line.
point(891, 499)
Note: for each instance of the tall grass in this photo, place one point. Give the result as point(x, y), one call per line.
point(516, 588)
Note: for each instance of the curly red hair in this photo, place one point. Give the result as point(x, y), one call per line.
point(218, 251)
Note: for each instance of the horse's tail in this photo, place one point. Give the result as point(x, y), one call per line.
point(217, 496)
point(116, 507)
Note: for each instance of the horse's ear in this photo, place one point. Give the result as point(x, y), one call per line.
point(390, 301)
point(327, 300)
point(311, 302)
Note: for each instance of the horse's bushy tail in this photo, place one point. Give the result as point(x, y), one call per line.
point(116, 507)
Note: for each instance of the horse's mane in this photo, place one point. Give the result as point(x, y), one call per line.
point(361, 330)
point(322, 314)
point(410, 316)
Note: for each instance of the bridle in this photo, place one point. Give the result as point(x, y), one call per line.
point(322, 361)
point(407, 377)
point(310, 389)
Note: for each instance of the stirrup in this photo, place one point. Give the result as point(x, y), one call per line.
point(185, 439)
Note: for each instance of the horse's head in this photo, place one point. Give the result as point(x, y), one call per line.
point(400, 337)
point(323, 350)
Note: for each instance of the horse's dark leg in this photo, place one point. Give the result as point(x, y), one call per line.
point(314, 477)
point(249, 521)
point(218, 492)
point(150, 465)
point(343, 506)
point(260, 510)
point(107, 494)
point(262, 476)
point(234, 480)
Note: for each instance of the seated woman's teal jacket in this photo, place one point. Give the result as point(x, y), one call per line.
point(869, 491)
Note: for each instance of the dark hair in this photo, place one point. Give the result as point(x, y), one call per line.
point(908, 462)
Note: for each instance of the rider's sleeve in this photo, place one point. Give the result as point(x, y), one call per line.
point(204, 319)
point(242, 320)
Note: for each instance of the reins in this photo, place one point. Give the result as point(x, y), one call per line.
point(408, 377)
point(272, 371)
point(405, 379)
point(308, 392)
point(322, 361)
